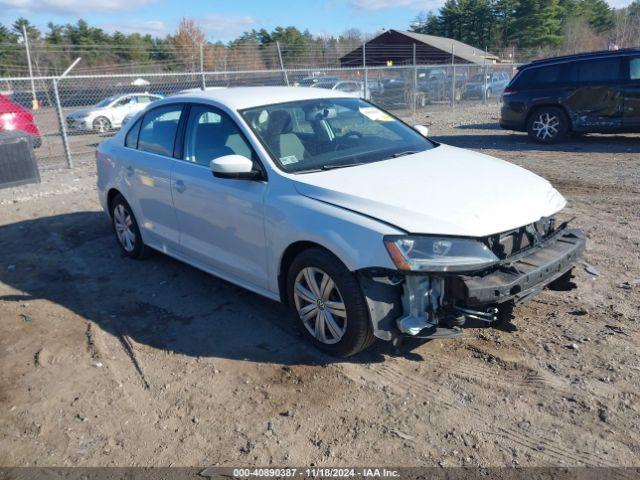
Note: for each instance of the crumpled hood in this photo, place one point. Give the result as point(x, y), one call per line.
point(446, 191)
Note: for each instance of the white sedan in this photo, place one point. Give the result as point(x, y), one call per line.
point(109, 113)
point(361, 225)
point(353, 88)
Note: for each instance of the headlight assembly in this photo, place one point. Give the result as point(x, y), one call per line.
point(438, 254)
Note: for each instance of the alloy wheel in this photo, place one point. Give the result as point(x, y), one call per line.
point(546, 126)
point(123, 224)
point(320, 305)
point(101, 125)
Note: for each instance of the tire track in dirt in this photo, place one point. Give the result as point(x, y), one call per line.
point(545, 448)
point(510, 374)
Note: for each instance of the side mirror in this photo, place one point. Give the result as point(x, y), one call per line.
point(234, 166)
point(422, 130)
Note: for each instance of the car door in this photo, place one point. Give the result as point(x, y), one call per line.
point(147, 160)
point(221, 220)
point(595, 98)
point(120, 109)
point(631, 115)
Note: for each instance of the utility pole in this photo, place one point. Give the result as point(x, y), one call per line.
point(34, 101)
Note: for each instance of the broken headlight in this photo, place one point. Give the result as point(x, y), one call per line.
point(438, 254)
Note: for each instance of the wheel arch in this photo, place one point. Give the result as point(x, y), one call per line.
point(559, 106)
point(289, 254)
point(111, 194)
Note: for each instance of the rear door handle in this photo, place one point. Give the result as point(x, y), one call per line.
point(129, 171)
point(180, 186)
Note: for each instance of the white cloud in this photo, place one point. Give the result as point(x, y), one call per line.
point(155, 28)
point(384, 4)
point(219, 27)
point(71, 7)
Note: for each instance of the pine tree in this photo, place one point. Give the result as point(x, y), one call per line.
point(537, 24)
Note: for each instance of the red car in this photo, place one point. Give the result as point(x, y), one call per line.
point(15, 117)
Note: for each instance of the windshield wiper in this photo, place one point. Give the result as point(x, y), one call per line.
point(343, 165)
point(404, 154)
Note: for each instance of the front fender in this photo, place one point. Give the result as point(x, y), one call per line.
point(355, 239)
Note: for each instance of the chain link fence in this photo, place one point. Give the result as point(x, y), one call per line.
point(75, 113)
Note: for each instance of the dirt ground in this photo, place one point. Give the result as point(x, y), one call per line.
point(107, 361)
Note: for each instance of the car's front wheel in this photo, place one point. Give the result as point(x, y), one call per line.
point(548, 125)
point(326, 299)
point(101, 125)
point(127, 230)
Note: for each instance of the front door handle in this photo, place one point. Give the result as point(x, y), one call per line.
point(180, 186)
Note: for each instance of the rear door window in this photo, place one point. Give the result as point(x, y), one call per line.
point(158, 130)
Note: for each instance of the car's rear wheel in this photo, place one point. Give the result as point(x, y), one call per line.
point(327, 300)
point(101, 125)
point(127, 230)
point(548, 125)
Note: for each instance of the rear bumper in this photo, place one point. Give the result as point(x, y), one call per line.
point(513, 116)
point(523, 277)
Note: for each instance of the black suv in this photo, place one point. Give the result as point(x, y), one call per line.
point(590, 92)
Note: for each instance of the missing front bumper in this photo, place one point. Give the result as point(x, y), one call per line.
point(436, 306)
point(521, 278)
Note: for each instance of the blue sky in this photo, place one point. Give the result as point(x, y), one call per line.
point(224, 19)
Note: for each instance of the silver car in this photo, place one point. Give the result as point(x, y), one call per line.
point(109, 113)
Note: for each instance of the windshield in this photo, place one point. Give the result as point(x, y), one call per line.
point(105, 102)
point(315, 135)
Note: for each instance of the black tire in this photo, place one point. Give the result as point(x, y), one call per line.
point(101, 125)
point(358, 334)
point(554, 118)
point(139, 250)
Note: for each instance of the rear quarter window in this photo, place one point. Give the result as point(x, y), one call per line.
point(539, 77)
point(131, 140)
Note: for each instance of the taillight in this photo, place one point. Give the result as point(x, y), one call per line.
point(509, 91)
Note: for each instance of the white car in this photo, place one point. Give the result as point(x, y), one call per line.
point(361, 225)
point(109, 113)
point(353, 88)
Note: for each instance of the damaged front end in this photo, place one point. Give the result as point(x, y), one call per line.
point(443, 284)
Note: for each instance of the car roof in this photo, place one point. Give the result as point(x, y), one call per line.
point(239, 98)
point(581, 56)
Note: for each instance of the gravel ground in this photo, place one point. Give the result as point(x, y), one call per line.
point(107, 361)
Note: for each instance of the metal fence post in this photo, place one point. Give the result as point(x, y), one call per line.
point(415, 79)
point(284, 72)
point(453, 76)
point(484, 89)
point(366, 72)
point(202, 79)
point(63, 128)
